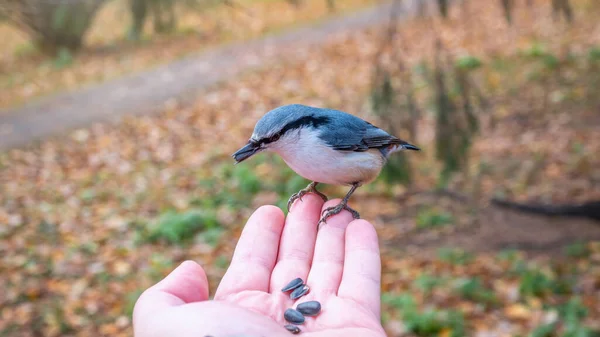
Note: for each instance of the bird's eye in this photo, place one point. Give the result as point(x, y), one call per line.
point(275, 138)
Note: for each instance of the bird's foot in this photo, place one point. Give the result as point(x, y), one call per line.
point(331, 211)
point(311, 188)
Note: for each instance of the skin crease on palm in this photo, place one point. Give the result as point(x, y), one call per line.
point(340, 263)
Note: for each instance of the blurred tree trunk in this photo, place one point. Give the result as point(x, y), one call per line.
point(444, 128)
point(421, 8)
point(53, 25)
point(507, 7)
point(139, 12)
point(163, 13)
point(443, 7)
point(331, 5)
point(562, 7)
point(456, 122)
point(296, 3)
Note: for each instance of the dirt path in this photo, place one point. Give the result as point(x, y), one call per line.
point(147, 92)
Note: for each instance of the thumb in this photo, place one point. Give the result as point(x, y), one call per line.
point(186, 284)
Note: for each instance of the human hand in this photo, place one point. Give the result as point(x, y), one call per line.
point(340, 263)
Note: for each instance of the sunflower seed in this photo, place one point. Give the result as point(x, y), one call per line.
point(310, 308)
point(293, 316)
point(299, 292)
point(295, 283)
point(292, 328)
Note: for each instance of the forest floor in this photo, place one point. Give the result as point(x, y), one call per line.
point(98, 214)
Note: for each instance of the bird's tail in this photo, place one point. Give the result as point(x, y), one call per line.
point(401, 145)
point(407, 146)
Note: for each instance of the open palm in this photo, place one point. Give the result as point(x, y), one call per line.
point(340, 263)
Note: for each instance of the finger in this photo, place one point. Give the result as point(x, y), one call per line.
point(186, 284)
point(328, 259)
point(297, 242)
point(361, 279)
point(255, 253)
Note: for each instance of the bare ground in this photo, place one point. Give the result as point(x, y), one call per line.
point(494, 229)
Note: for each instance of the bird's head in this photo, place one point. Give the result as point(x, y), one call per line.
point(277, 128)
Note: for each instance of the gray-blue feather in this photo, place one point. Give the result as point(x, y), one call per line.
point(340, 130)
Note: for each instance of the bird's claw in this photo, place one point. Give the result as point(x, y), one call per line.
point(331, 211)
point(311, 188)
point(293, 198)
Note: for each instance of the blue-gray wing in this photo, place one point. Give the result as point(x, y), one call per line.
point(354, 134)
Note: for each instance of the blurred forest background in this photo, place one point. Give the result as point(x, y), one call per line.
point(492, 230)
point(57, 45)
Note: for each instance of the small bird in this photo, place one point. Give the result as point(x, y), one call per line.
point(324, 146)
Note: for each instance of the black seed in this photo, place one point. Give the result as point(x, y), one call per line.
point(293, 316)
point(310, 308)
point(299, 292)
point(292, 328)
point(295, 283)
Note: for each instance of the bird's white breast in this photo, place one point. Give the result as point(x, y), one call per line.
point(312, 159)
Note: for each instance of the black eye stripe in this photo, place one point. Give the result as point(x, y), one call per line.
point(271, 139)
point(307, 121)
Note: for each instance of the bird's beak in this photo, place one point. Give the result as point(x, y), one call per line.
point(246, 152)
